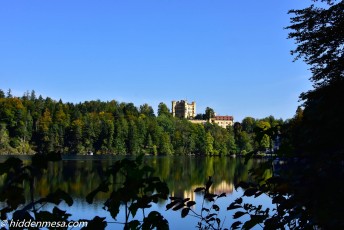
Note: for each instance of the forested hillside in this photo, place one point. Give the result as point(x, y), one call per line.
point(30, 124)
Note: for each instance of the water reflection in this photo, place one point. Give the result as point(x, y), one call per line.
point(79, 175)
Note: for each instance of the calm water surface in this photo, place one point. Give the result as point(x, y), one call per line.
point(79, 175)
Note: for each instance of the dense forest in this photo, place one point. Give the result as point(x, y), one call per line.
point(31, 124)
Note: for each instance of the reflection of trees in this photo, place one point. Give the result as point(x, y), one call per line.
point(182, 174)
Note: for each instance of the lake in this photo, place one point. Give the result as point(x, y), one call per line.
point(79, 175)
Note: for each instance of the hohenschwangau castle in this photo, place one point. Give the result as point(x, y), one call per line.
point(183, 109)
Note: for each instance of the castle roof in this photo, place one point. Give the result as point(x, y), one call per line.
point(224, 118)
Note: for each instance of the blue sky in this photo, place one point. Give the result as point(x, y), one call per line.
point(233, 56)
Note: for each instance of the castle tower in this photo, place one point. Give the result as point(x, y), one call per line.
point(183, 109)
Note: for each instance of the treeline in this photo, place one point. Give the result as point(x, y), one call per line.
point(30, 124)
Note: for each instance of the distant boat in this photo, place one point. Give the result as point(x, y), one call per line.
point(90, 153)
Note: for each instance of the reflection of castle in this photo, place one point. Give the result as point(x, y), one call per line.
point(223, 187)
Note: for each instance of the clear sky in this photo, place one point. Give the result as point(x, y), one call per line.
point(233, 56)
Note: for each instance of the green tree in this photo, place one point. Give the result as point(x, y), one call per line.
point(28, 126)
point(209, 113)
point(184, 137)
point(209, 141)
point(142, 130)
point(166, 123)
point(149, 145)
point(263, 125)
point(2, 94)
point(200, 139)
point(130, 110)
point(265, 141)
point(200, 116)
point(263, 135)
point(154, 131)
point(121, 135)
point(248, 124)
point(318, 32)
point(107, 132)
point(147, 110)
point(4, 140)
point(33, 95)
point(231, 146)
point(75, 137)
point(45, 141)
point(244, 142)
point(9, 93)
point(163, 110)
point(165, 146)
point(60, 117)
point(221, 138)
point(133, 139)
point(61, 122)
point(237, 128)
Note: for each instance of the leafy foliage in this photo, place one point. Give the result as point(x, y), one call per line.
point(135, 187)
point(208, 217)
point(12, 192)
point(318, 32)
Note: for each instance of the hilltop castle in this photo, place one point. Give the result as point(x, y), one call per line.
point(183, 109)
